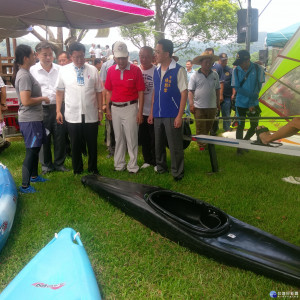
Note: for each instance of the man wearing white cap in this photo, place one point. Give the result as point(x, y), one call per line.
point(125, 89)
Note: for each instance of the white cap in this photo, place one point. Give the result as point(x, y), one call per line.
point(120, 50)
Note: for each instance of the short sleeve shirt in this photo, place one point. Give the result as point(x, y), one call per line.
point(219, 69)
point(104, 69)
point(205, 89)
point(124, 84)
point(80, 99)
point(149, 87)
point(26, 82)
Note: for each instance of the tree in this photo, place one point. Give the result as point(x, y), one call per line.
point(75, 35)
point(183, 21)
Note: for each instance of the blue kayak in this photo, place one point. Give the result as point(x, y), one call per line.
point(8, 203)
point(61, 270)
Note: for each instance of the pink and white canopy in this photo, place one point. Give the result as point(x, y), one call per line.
point(81, 14)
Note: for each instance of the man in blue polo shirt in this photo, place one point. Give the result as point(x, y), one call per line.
point(247, 80)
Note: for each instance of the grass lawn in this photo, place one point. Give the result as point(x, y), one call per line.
point(132, 262)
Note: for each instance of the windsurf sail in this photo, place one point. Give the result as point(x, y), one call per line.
point(280, 94)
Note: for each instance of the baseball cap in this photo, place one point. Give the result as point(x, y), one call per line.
point(223, 56)
point(120, 50)
point(241, 56)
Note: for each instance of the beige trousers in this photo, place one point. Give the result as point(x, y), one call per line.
point(126, 134)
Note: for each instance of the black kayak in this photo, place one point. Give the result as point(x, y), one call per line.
point(202, 227)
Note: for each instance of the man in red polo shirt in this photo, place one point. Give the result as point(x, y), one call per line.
point(125, 89)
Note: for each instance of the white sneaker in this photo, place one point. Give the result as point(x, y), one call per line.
point(155, 169)
point(291, 179)
point(145, 165)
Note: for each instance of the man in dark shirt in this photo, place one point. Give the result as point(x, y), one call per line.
point(227, 92)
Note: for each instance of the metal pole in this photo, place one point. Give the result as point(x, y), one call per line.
point(248, 31)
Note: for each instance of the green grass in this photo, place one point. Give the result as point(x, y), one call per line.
point(132, 262)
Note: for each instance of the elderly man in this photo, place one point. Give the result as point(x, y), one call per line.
point(79, 84)
point(168, 103)
point(247, 80)
point(204, 93)
point(125, 89)
point(46, 73)
point(64, 58)
point(146, 130)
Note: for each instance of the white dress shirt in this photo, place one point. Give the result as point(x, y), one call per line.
point(79, 99)
point(47, 80)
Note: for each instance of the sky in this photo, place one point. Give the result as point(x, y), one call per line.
point(278, 15)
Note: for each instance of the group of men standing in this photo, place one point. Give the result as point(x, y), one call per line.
point(143, 103)
point(138, 99)
point(152, 99)
point(215, 86)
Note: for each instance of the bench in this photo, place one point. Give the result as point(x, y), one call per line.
point(216, 140)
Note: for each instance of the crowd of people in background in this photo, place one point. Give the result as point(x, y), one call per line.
point(144, 103)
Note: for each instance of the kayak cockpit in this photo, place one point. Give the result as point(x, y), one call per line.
point(194, 215)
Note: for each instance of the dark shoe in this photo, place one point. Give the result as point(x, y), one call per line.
point(159, 171)
point(95, 172)
point(78, 172)
point(61, 169)
point(241, 151)
point(178, 178)
point(47, 170)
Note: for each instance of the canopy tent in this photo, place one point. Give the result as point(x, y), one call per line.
point(280, 95)
point(281, 37)
point(6, 33)
point(78, 14)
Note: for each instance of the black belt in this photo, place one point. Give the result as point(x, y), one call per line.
point(124, 104)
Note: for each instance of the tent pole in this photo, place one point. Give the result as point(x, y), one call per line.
point(248, 31)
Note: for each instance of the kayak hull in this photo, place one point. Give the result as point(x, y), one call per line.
point(202, 228)
point(61, 270)
point(8, 204)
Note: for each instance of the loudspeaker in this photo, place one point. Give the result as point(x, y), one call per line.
point(242, 25)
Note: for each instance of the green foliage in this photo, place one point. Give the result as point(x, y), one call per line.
point(211, 20)
point(132, 262)
point(182, 21)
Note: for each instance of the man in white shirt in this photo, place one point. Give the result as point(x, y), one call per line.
point(79, 84)
point(108, 52)
point(46, 73)
point(92, 51)
point(146, 130)
point(98, 52)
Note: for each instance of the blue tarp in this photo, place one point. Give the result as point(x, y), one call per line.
point(281, 37)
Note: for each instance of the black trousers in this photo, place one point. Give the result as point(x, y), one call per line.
point(147, 140)
point(57, 132)
point(90, 132)
point(244, 112)
point(30, 165)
